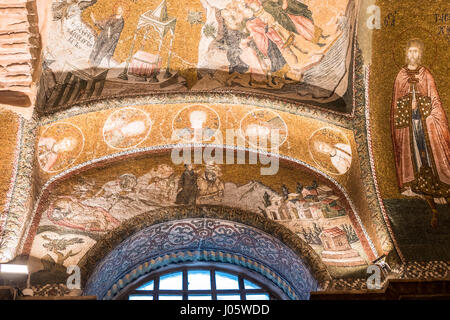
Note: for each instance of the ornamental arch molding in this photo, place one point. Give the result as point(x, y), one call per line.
point(202, 233)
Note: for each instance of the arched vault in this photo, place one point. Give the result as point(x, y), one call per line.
point(205, 233)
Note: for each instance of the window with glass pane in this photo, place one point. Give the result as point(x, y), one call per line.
point(172, 281)
point(200, 283)
point(199, 280)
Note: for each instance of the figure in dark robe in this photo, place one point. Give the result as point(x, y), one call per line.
point(420, 133)
point(285, 191)
point(299, 188)
point(106, 41)
point(188, 187)
point(295, 17)
point(231, 39)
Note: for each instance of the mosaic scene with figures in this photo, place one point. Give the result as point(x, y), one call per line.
point(286, 48)
point(83, 209)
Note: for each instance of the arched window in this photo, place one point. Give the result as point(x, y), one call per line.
point(203, 282)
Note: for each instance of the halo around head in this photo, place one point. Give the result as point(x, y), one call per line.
point(416, 35)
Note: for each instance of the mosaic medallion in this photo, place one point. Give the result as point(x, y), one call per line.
point(59, 146)
point(126, 128)
point(330, 150)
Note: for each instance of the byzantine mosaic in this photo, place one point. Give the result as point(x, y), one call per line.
point(237, 243)
point(301, 51)
point(408, 111)
point(78, 212)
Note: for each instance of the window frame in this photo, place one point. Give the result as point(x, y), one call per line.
point(267, 286)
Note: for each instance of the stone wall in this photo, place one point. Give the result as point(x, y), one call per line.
point(19, 51)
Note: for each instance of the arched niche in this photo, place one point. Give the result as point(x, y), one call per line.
point(206, 234)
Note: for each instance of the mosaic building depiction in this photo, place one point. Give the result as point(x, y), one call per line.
point(290, 144)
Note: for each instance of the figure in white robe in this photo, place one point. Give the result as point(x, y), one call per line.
point(340, 154)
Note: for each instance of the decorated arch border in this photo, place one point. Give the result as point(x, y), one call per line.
point(289, 239)
point(188, 98)
point(372, 166)
point(21, 190)
point(231, 95)
point(361, 129)
point(208, 233)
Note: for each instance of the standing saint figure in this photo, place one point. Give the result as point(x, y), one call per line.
point(106, 41)
point(187, 187)
point(420, 132)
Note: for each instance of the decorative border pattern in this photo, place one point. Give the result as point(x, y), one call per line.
point(430, 270)
point(361, 137)
point(288, 239)
point(205, 255)
point(372, 165)
point(51, 290)
point(426, 270)
point(201, 239)
point(4, 214)
point(21, 195)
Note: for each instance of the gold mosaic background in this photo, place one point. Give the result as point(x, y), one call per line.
point(413, 19)
point(9, 125)
point(300, 130)
point(296, 145)
point(103, 9)
point(187, 36)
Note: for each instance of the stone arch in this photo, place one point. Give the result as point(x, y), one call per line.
point(228, 97)
point(99, 258)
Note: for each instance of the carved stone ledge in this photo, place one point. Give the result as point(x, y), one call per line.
point(19, 51)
